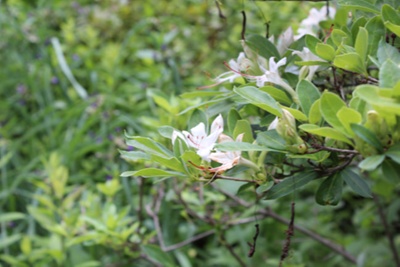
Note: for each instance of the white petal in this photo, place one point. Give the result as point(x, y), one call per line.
point(218, 124)
point(176, 134)
point(273, 124)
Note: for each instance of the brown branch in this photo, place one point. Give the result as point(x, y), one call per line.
point(253, 245)
point(219, 10)
point(231, 250)
point(388, 233)
point(269, 213)
point(243, 25)
point(289, 234)
point(331, 149)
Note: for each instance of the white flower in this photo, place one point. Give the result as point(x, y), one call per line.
point(284, 40)
point(307, 55)
point(310, 25)
point(227, 159)
point(273, 124)
point(272, 74)
point(198, 138)
point(236, 67)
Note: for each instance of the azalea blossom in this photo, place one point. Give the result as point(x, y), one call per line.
point(310, 25)
point(241, 64)
point(307, 55)
point(198, 138)
point(227, 159)
point(284, 40)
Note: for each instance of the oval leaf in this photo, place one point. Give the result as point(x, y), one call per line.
point(356, 183)
point(330, 190)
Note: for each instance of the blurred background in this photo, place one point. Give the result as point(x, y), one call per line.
point(75, 77)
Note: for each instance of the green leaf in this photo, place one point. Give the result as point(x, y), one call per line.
point(387, 52)
point(155, 253)
point(272, 140)
point(360, 22)
point(389, 74)
point(330, 190)
point(325, 132)
point(393, 27)
point(260, 99)
point(297, 114)
point(290, 184)
point(152, 172)
point(390, 171)
point(11, 216)
point(367, 136)
point(264, 187)
point(394, 153)
point(339, 37)
point(390, 14)
point(371, 163)
point(361, 44)
point(370, 94)
point(243, 127)
point(149, 146)
point(325, 51)
point(320, 156)
point(201, 94)
point(241, 146)
point(376, 30)
point(359, 104)
point(198, 116)
point(277, 94)
point(233, 117)
point(262, 46)
point(356, 183)
point(315, 116)
point(166, 131)
point(311, 43)
point(308, 94)
point(330, 105)
point(347, 116)
point(360, 5)
point(351, 62)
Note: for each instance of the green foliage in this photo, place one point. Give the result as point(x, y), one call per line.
point(309, 115)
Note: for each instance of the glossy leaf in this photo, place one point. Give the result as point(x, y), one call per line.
point(243, 127)
point(370, 94)
point(271, 139)
point(376, 30)
point(325, 132)
point(351, 62)
point(297, 114)
point(151, 172)
point(241, 146)
point(371, 163)
point(360, 5)
point(347, 116)
point(233, 117)
point(308, 94)
point(356, 183)
point(264, 187)
point(325, 51)
point(387, 52)
point(390, 14)
point(339, 37)
point(315, 116)
point(260, 99)
point(330, 105)
point(262, 46)
point(277, 94)
point(330, 190)
point(311, 43)
point(367, 136)
point(361, 44)
point(290, 184)
point(389, 74)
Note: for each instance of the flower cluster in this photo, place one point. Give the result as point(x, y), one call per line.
point(205, 143)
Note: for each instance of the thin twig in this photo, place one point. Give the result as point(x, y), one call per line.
point(219, 10)
point(231, 250)
point(269, 213)
point(253, 245)
point(243, 25)
point(388, 233)
point(331, 149)
point(289, 234)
